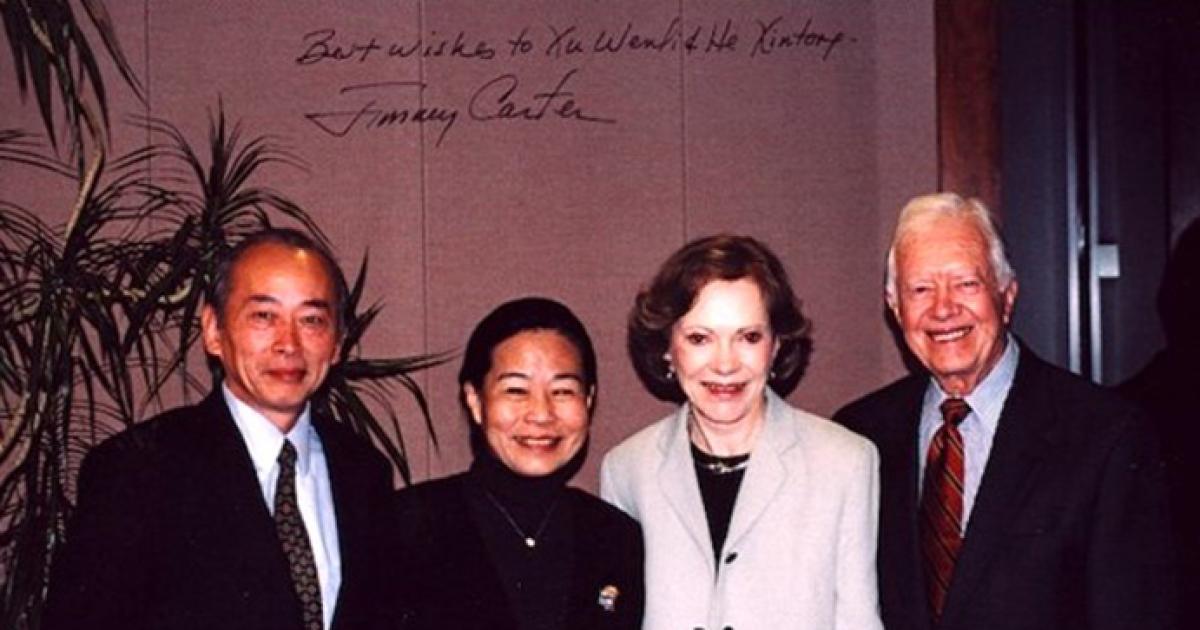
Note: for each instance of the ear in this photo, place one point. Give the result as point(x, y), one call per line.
point(1008, 299)
point(210, 329)
point(591, 400)
point(337, 348)
point(893, 305)
point(473, 403)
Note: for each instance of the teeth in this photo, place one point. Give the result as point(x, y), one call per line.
point(953, 335)
point(539, 442)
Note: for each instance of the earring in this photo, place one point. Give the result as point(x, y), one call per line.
point(670, 371)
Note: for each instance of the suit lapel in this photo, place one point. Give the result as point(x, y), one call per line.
point(677, 481)
point(766, 473)
point(1020, 450)
point(900, 543)
point(348, 506)
point(222, 468)
point(488, 599)
point(229, 472)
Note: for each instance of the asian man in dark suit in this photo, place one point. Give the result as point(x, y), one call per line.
point(246, 511)
point(1014, 494)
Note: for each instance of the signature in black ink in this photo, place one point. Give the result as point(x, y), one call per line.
point(772, 38)
point(722, 37)
point(498, 100)
point(321, 46)
point(371, 115)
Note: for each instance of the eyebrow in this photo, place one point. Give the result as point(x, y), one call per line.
point(262, 298)
point(566, 375)
point(699, 327)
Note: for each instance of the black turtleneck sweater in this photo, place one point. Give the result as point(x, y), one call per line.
point(461, 563)
point(508, 508)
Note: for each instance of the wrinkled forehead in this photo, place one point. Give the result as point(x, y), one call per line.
point(277, 259)
point(943, 241)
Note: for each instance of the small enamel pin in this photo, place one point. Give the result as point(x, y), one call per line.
point(608, 598)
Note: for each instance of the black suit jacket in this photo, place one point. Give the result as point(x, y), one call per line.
point(171, 531)
point(448, 580)
point(1069, 529)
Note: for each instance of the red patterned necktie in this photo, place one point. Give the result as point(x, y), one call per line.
point(294, 539)
point(942, 504)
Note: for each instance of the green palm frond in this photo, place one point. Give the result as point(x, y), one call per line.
point(99, 315)
point(49, 50)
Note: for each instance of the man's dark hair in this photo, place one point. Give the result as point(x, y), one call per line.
point(219, 288)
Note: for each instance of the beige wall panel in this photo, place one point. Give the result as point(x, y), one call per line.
point(481, 151)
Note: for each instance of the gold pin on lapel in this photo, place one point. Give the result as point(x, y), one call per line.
point(608, 598)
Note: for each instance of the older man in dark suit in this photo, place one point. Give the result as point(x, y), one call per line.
point(1013, 494)
point(246, 511)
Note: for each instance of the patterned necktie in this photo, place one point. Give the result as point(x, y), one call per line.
point(294, 539)
point(942, 504)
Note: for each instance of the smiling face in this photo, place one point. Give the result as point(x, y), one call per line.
point(278, 335)
point(953, 314)
point(533, 407)
point(722, 351)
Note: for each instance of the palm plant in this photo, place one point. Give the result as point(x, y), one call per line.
point(50, 50)
point(97, 317)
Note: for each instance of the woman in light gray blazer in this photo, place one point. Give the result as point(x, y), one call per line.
point(755, 514)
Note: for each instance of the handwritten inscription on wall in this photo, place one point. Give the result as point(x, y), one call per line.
point(506, 97)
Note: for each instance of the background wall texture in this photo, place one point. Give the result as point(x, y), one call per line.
point(480, 151)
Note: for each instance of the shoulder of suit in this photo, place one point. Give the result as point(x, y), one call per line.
point(141, 454)
point(432, 487)
point(596, 511)
point(644, 441)
point(428, 491)
point(1075, 398)
point(882, 403)
point(164, 430)
point(341, 441)
point(420, 509)
point(823, 433)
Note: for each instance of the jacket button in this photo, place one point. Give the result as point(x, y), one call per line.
point(729, 558)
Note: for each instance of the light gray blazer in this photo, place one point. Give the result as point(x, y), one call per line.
point(801, 546)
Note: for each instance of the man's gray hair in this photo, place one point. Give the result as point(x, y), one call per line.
point(926, 207)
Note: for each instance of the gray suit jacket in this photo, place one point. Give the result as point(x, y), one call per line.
point(801, 546)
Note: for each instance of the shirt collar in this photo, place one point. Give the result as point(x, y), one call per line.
point(987, 399)
point(263, 439)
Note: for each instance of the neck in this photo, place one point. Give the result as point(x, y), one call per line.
point(285, 423)
point(526, 500)
point(725, 440)
point(957, 387)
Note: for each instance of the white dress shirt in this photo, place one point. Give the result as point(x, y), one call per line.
point(978, 429)
point(264, 441)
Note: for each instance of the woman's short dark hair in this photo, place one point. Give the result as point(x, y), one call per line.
point(518, 316)
point(673, 291)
